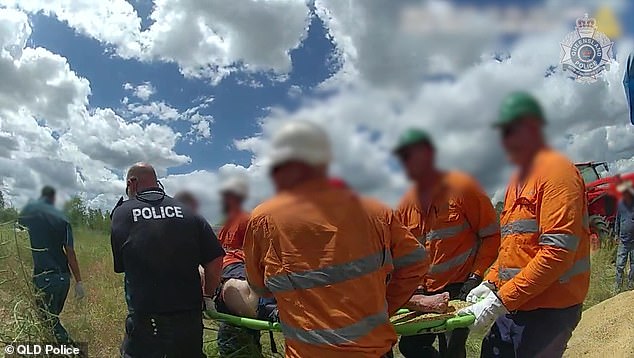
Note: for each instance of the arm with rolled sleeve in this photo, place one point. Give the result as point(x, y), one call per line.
point(211, 254)
point(483, 220)
point(560, 217)
point(256, 243)
point(411, 262)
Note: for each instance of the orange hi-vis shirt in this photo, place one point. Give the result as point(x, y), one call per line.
point(409, 257)
point(327, 261)
point(459, 229)
point(231, 238)
point(544, 259)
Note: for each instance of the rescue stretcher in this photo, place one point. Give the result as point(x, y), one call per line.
point(406, 323)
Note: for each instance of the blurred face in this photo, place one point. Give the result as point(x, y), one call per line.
point(287, 175)
point(417, 159)
point(518, 137)
point(230, 202)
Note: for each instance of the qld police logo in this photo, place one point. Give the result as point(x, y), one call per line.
point(586, 52)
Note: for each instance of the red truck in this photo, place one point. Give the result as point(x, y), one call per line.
point(602, 197)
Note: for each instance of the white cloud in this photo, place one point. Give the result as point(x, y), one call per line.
point(50, 136)
point(294, 91)
point(143, 91)
point(205, 38)
point(200, 124)
point(379, 92)
point(366, 113)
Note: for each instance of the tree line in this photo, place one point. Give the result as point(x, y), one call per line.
point(76, 211)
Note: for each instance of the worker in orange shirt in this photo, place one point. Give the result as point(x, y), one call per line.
point(421, 303)
point(454, 218)
point(234, 295)
point(535, 290)
point(326, 260)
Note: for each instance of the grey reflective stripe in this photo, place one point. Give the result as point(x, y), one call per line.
point(579, 267)
point(489, 230)
point(507, 273)
point(586, 220)
point(446, 232)
point(523, 226)
point(565, 241)
point(328, 275)
point(451, 263)
point(413, 257)
point(261, 291)
point(345, 335)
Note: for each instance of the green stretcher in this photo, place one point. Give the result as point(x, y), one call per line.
point(406, 328)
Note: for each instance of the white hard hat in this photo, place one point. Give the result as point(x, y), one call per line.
point(237, 186)
point(302, 141)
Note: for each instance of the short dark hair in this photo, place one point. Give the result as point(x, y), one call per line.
point(48, 192)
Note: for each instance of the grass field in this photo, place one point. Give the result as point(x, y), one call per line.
point(99, 318)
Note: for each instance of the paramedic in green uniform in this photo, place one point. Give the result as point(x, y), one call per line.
point(53, 258)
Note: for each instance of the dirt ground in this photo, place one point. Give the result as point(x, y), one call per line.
point(605, 330)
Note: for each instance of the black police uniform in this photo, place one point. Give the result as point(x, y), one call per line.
point(158, 243)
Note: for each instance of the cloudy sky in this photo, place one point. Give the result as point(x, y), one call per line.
point(196, 87)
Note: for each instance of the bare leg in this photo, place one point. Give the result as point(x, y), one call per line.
point(239, 299)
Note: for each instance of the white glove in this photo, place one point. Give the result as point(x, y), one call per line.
point(480, 292)
point(210, 305)
point(485, 311)
point(80, 293)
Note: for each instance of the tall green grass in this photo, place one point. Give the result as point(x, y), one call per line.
point(99, 318)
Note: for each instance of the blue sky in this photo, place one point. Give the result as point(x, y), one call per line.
point(371, 77)
point(236, 106)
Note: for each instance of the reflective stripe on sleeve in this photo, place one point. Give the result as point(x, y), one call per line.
point(328, 275)
point(447, 232)
point(344, 335)
point(579, 267)
point(565, 241)
point(451, 263)
point(417, 255)
point(507, 273)
point(489, 230)
point(523, 226)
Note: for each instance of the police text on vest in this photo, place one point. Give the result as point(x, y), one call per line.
point(156, 213)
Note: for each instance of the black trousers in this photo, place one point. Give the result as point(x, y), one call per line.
point(542, 332)
point(421, 346)
point(176, 335)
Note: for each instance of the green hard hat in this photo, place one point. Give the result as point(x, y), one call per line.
point(517, 105)
point(413, 136)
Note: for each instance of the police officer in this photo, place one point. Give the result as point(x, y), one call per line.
point(158, 243)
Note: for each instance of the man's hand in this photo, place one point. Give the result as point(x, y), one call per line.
point(486, 312)
point(480, 292)
point(80, 293)
point(472, 282)
point(429, 304)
